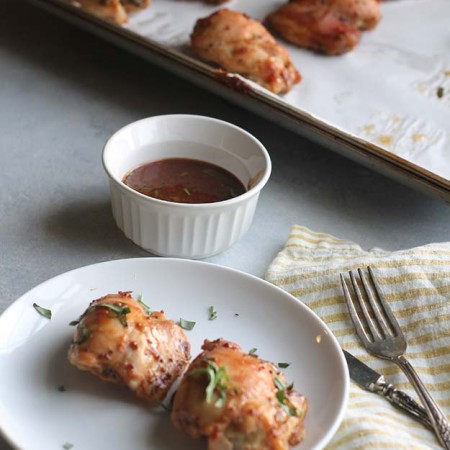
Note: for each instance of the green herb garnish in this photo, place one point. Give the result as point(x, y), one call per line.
point(67, 446)
point(118, 311)
point(283, 399)
point(160, 402)
point(186, 324)
point(212, 313)
point(186, 191)
point(440, 92)
point(43, 311)
point(217, 382)
point(83, 330)
point(283, 365)
point(61, 388)
point(252, 352)
point(146, 308)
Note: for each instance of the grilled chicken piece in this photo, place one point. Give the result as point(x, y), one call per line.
point(135, 5)
point(328, 26)
point(119, 342)
point(364, 14)
point(242, 45)
point(111, 10)
point(238, 401)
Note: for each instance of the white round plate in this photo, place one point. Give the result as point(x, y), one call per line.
point(92, 414)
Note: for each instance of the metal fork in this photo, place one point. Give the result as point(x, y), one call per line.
point(382, 336)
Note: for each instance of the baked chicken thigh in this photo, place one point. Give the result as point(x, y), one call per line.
point(119, 342)
point(328, 26)
point(238, 401)
point(113, 10)
point(242, 45)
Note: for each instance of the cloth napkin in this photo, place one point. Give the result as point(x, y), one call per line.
point(416, 283)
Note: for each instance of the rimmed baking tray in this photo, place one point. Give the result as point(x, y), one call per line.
point(385, 105)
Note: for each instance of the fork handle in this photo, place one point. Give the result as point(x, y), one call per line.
point(438, 419)
point(401, 400)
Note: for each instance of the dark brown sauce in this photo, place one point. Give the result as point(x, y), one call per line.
point(184, 180)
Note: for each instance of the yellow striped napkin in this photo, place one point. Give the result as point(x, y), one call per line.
point(416, 283)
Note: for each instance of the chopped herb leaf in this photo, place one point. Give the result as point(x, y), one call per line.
point(166, 408)
point(61, 388)
point(283, 365)
point(440, 92)
point(278, 384)
point(118, 311)
point(212, 313)
point(252, 351)
point(43, 311)
point(217, 382)
point(186, 324)
point(186, 191)
point(67, 446)
point(283, 399)
point(236, 314)
point(83, 330)
point(144, 306)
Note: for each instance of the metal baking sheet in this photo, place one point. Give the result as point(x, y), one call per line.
point(386, 104)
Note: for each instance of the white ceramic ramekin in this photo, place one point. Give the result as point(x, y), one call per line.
point(180, 229)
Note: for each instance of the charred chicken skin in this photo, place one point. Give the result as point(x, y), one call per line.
point(238, 401)
point(242, 45)
point(117, 340)
point(328, 26)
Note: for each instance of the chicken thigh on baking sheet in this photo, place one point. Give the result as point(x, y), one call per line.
point(117, 340)
point(242, 45)
point(113, 10)
point(238, 401)
point(328, 26)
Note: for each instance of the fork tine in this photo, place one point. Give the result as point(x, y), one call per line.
point(379, 317)
point(353, 313)
point(373, 329)
point(387, 309)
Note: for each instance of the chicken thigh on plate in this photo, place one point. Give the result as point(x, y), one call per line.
point(119, 341)
point(238, 401)
point(328, 26)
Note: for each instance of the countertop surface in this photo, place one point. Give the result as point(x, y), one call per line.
point(63, 92)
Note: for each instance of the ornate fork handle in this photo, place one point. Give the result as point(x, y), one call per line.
point(401, 400)
point(437, 417)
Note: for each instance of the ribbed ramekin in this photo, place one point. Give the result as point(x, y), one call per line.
point(180, 229)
